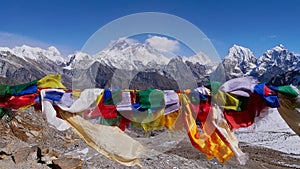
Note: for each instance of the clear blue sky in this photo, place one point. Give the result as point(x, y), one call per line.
point(255, 24)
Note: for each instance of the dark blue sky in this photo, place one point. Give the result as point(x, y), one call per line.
point(255, 24)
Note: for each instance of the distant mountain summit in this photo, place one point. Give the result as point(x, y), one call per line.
point(240, 61)
point(126, 54)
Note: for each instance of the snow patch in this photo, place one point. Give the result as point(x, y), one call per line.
point(271, 132)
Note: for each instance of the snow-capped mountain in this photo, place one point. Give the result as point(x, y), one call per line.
point(35, 53)
point(239, 62)
point(24, 64)
point(279, 56)
point(28, 63)
point(127, 54)
point(276, 61)
point(131, 55)
point(273, 63)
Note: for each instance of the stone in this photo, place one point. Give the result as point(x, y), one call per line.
point(22, 154)
point(67, 163)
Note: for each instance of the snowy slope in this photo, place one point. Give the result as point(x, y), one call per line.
point(272, 132)
point(79, 60)
point(3, 50)
point(200, 58)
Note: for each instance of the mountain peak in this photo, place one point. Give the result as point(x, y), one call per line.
point(54, 50)
point(122, 43)
point(240, 61)
point(238, 47)
point(36, 53)
point(281, 46)
point(241, 53)
point(235, 46)
point(276, 61)
point(126, 53)
point(278, 48)
point(277, 51)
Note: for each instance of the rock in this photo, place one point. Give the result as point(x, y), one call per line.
point(25, 153)
point(47, 155)
point(67, 163)
point(3, 155)
point(26, 125)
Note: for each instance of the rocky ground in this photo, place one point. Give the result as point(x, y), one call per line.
point(27, 142)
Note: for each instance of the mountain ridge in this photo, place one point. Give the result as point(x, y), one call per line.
point(27, 63)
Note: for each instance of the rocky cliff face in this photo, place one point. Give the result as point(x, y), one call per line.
point(13, 67)
point(290, 77)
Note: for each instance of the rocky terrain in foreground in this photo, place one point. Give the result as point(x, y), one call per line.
point(28, 142)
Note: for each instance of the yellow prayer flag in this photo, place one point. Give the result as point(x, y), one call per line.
point(51, 81)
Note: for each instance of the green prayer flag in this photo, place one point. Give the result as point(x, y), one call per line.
point(214, 86)
point(151, 98)
point(288, 91)
point(3, 90)
point(3, 112)
point(11, 90)
point(111, 122)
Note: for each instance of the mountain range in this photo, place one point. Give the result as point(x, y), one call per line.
point(129, 64)
point(277, 66)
